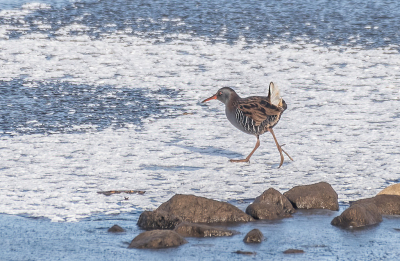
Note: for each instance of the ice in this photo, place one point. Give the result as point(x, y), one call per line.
point(341, 125)
point(25, 9)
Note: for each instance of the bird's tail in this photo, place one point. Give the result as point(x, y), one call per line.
point(274, 95)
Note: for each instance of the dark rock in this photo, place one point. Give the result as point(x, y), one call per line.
point(157, 239)
point(195, 209)
point(270, 205)
point(116, 229)
point(192, 209)
point(240, 252)
point(158, 220)
point(319, 195)
point(358, 215)
point(265, 211)
point(196, 230)
point(293, 251)
point(254, 236)
point(387, 204)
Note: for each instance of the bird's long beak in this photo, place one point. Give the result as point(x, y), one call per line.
point(214, 97)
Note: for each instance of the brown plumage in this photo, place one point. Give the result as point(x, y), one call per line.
point(253, 115)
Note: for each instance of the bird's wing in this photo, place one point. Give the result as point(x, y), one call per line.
point(258, 108)
point(274, 96)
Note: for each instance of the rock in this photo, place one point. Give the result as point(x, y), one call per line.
point(319, 195)
point(116, 229)
point(192, 209)
point(358, 215)
point(157, 239)
point(391, 190)
point(195, 209)
point(157, 220)
point(240, 252)
point(387, 204)
point(293, 251)
point(196, 230)
point(254, 236)
point(270, 205)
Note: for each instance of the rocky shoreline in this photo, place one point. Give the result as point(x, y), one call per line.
point(185, 216)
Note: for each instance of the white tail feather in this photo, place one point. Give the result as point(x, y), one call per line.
point(274, 95)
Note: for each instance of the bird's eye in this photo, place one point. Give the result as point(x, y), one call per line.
point(220, 93)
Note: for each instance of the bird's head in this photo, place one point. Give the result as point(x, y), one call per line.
point(224, 95)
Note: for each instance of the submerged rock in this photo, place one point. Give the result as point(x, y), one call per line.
point(192, 209)
point(116, 229)
point(157, 239)
point(254, 236)
point(196, 230)
point(293, 251)
point(319, 195)
point(391, 190)
point(270, 205)
point(240, 252)
point(358, 215)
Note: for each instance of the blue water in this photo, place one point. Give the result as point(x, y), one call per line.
point(25, 238)
point(60, 105)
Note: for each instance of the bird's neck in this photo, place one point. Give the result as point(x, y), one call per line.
point(233, 99)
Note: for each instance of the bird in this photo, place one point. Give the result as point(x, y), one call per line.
point(253, 115)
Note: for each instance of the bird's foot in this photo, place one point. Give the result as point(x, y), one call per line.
point(241, 160)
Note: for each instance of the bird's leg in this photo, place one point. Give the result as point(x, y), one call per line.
point(251, 153)
point(286, 152)
point(279, 147)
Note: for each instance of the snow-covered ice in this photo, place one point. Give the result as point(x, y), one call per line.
point(341, 125)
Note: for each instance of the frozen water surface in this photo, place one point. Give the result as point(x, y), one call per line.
point(97, 98)
point(128, 116)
